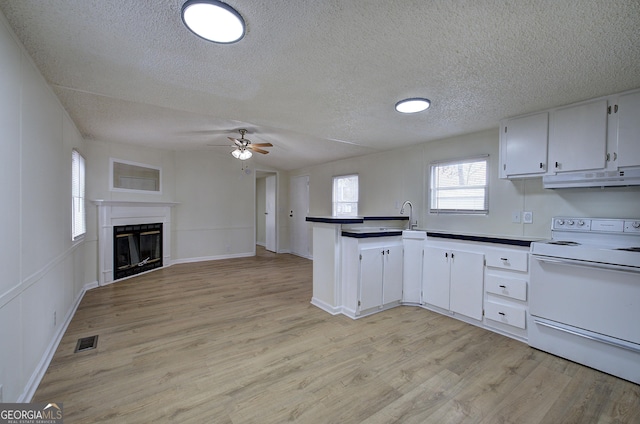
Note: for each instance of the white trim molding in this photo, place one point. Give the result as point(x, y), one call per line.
point(43, 365)
point(113, 213)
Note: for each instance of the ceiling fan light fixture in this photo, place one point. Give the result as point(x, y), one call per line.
point(213, 20)
point(242, 154)
point(413, 105)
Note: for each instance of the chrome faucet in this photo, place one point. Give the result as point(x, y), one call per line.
point(411, 224)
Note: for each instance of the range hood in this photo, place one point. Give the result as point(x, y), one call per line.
point(627, 177)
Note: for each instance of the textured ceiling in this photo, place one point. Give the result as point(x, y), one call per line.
point(319, 79)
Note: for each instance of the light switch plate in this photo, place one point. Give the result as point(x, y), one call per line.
point(527, 217)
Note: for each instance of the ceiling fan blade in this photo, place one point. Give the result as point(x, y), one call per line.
point(262, 144)
point(255, 149)
point(236, 141)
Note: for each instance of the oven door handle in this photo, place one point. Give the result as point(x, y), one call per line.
point(563, 261)
point(590, 336)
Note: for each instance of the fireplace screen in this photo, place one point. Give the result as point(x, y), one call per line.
point(136, 249)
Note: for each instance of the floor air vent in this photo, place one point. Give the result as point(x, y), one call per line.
point(86, 343)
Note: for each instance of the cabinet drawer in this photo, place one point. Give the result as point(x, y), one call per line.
point(506, 314)
point(507, 259)
point(509, 287)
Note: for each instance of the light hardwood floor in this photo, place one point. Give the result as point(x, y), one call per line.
point(237, 341)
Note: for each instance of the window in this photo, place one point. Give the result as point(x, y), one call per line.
point(132, 176)
point(345, 195)
point(78, 220)
point(459, 186)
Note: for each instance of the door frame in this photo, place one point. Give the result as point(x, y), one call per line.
point(309, 238)
point(260, 173)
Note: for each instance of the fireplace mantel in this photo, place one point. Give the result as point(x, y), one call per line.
point(121, 212)
point(100, 202)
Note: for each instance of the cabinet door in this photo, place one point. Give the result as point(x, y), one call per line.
point(525, 144)
point(370, 284)
point(628, 151)
point(412, 270)
point(467, 276)
point(435, 274)
point(392, 274)
point(578, 137)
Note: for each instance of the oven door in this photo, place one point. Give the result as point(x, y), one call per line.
point(586, 312)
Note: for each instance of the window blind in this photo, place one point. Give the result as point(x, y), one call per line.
point(459, 186)
point(345, 195)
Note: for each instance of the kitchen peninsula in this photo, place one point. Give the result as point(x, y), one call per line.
point(336, 243)
point(365, 265)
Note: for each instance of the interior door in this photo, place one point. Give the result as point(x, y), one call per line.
point(300, 228)
point(270, 213)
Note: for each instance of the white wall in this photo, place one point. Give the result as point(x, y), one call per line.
point(388, 178)
point(42, 270)
point(216, 215)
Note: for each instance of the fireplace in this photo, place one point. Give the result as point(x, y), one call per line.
point(136, 248)
point(114, 213)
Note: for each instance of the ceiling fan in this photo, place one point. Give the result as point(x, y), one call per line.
point(244, 147)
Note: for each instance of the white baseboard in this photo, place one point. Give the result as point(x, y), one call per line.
point(325, 306)
point(43, 365)
point(212, 258)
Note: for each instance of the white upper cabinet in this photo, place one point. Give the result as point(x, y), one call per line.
point(627, 109)
point(524, 144)
point(578, 137)
point(601, 134)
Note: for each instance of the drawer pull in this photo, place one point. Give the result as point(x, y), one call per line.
point(502, 313)
point(502, 286)
point(504, 259)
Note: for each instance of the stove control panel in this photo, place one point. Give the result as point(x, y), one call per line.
point(578, 224)
point(632, 226)
point(596, 225)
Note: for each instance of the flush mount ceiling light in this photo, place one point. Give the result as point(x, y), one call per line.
point(213, 20)
point(413, 105)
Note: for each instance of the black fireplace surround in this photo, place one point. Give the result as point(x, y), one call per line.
point(136, 249)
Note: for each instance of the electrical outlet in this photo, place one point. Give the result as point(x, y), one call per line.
point(515, 217)
point(55, 321)
point(527, 217)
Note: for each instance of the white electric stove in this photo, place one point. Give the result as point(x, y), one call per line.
point(603, 241)
point(584, 301)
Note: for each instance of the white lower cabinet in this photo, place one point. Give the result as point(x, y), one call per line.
point(506, 291)
point(371, 275)
point(506, 313)
point(453, 280)
point(413, 243)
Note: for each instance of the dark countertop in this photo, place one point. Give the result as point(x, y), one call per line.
point(484, 239)
point(391, 232)
point(371, 233)
point(353, 219)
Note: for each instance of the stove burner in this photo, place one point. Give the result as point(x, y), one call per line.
point(564, 243)
point(629, 249)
